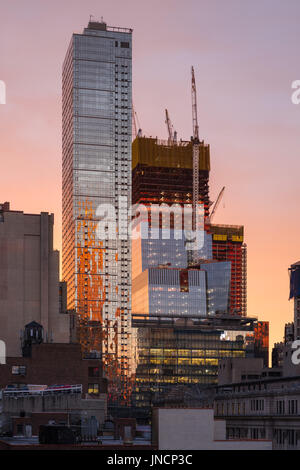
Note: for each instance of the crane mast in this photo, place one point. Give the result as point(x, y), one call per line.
point(196, 145)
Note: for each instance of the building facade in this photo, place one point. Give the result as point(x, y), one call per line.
point(294, 271)
point(97, 101)
point(190, 292)
point(54, 364)
point(228, 245)
point(29, 279)
point(260, 406)
point(196, 429)
point(186, 351)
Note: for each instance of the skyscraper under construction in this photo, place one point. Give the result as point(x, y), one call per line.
point(97, 173)
point(182, 307)
point(162, 173)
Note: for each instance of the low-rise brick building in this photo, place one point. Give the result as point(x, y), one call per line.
point(54, 364)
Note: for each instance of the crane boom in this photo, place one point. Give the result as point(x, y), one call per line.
point(171, 133)
point(136, 125)
point(194, 108)
point(134, 122)
point(169, 127)
point(216, 203)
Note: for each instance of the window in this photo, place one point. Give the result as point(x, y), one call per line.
point(292, 407)
point(254, 433)
point(93, 389)
point(292, 440)
point(125, 44)
point(280, 407)
point(279, 436)
point(18, 370)
point(20, 429)
point(93, 371)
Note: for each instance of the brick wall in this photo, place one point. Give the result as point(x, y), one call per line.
point(54, 364)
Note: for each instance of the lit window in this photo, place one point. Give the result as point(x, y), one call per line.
point(93, 389)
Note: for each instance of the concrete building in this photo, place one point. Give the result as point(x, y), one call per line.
point(260, 403)
point(51, 364)
point(36, 409)
point(196, 429)
point(233, 370)
point(278, 349)
point(52, 382)
point(29, 278)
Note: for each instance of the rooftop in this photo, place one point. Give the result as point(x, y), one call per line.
point(102, 26)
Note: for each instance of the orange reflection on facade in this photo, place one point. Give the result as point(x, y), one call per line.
point(90, 289)
point(97, 330)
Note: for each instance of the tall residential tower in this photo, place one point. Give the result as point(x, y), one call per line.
point(97, 174)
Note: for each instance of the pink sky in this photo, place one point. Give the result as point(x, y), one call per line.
point(245, 56)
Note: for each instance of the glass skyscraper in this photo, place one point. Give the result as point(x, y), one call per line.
point(97, 87)
point(162, 283)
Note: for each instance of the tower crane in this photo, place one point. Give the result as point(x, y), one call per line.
point(134, 123)
point(215, 207)
point(172, 134)
point(137, 131)
point(196, 145)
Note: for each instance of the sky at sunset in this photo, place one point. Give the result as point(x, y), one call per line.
point(245, 55)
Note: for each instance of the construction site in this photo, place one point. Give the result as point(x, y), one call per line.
point(189, 309)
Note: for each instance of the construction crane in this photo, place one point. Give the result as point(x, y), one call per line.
point(134, 123)
point(172, 134)
point(215, 207)
point(137, 131)
point(196, 145)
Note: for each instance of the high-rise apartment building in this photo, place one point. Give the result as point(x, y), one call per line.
point(97, 182)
